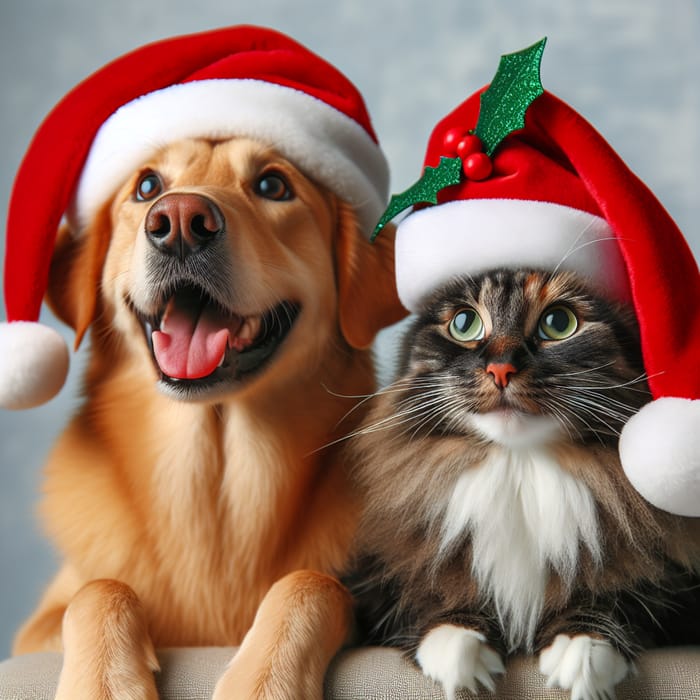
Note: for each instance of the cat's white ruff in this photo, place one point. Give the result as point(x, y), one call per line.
point(515, 429)
point(525, 516)
point(457, 657)
point(590, 668)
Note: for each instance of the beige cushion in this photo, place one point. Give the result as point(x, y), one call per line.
point(664, 674)
point(366, 674)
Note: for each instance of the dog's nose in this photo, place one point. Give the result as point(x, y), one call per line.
point(182, 224)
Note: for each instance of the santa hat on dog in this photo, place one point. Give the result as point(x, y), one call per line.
point(243, 80)
point(553, 194)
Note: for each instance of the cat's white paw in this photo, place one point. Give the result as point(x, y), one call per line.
point(590, 668)
point(458, 658)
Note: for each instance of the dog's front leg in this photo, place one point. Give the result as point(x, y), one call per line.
point(300, 625)
point(107, 651)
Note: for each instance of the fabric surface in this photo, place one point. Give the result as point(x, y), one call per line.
point(367, 674)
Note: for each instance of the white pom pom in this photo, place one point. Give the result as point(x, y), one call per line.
point(33, 364)
point(660, 453)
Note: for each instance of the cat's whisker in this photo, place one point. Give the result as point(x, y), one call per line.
point(365, 398)
point(570, 250)
point(598, 396)
point(563, 419)
point(402, 416)
point(601, 387)
point(602, 382)
point(581, 406)
point(587, 370)
point(640, 600)
point(575, 247)
point(383, 424)
point(411, 409)
point(608, 403)
point(576, 414)
point(397, 386)
point(440, 410)
point(457, 418)
point(594, 408)
point(429, 408)
point(413, 399)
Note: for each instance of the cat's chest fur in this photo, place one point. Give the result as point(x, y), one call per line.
point(525, 517)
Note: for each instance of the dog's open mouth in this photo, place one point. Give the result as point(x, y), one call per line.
point(196, 343)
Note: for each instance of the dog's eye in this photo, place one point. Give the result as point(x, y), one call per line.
point(149, 186)
point(273, 186)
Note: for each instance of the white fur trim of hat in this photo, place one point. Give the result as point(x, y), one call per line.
point(326, 144)
point(470, 236)
point(660, 453)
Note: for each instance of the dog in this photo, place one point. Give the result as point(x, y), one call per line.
point(231, 302)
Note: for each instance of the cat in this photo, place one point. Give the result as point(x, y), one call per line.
point(497, 518)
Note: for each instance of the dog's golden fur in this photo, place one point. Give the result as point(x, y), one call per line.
point(177, 518)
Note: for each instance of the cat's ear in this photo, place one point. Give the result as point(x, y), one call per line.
point(368, 299)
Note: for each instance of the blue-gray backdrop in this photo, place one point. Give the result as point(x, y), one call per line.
point(632, 67)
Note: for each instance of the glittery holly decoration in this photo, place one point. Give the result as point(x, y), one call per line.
point(513, 89)
point(448, 172)
point(468, 154)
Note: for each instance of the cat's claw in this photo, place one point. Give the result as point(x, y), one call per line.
point(457, 657)
point(590, 668)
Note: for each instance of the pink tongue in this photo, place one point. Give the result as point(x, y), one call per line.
point(192, 342)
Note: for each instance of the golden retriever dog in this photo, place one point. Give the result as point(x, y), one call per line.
point(231, 303)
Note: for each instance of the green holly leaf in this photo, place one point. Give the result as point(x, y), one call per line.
point(447, 172)
point(513, 89)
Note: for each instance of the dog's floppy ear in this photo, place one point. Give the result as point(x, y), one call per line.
point(74, 275)
point(366, 282)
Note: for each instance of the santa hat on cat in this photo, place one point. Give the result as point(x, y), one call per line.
point(245, 81)
point(554, 195)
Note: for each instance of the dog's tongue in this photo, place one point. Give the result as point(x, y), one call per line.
point(192, 338)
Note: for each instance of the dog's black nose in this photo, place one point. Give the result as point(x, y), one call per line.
point(182, 224)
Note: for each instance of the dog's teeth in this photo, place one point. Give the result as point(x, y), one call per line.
point(221, 361)
point(244, 331)
point(250, 328)
point(164, 320)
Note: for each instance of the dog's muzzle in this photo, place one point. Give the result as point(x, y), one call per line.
point(197, 342)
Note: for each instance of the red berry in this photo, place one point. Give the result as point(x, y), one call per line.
point(477, 166)
point(468, 145)
point(451, 138)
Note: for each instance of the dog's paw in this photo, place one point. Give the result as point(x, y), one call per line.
point(590, 668)
point(458, 658)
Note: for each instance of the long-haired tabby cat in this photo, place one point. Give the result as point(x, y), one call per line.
point(498, 518)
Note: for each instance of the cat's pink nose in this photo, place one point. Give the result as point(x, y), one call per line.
point(501, 371)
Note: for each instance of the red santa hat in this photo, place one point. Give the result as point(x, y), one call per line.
point(555, 195)
point(242, 80)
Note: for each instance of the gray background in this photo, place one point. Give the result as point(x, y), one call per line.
point(632, 67)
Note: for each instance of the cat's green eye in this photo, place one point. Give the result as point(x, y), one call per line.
point(466, 325)
point(557, 323)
